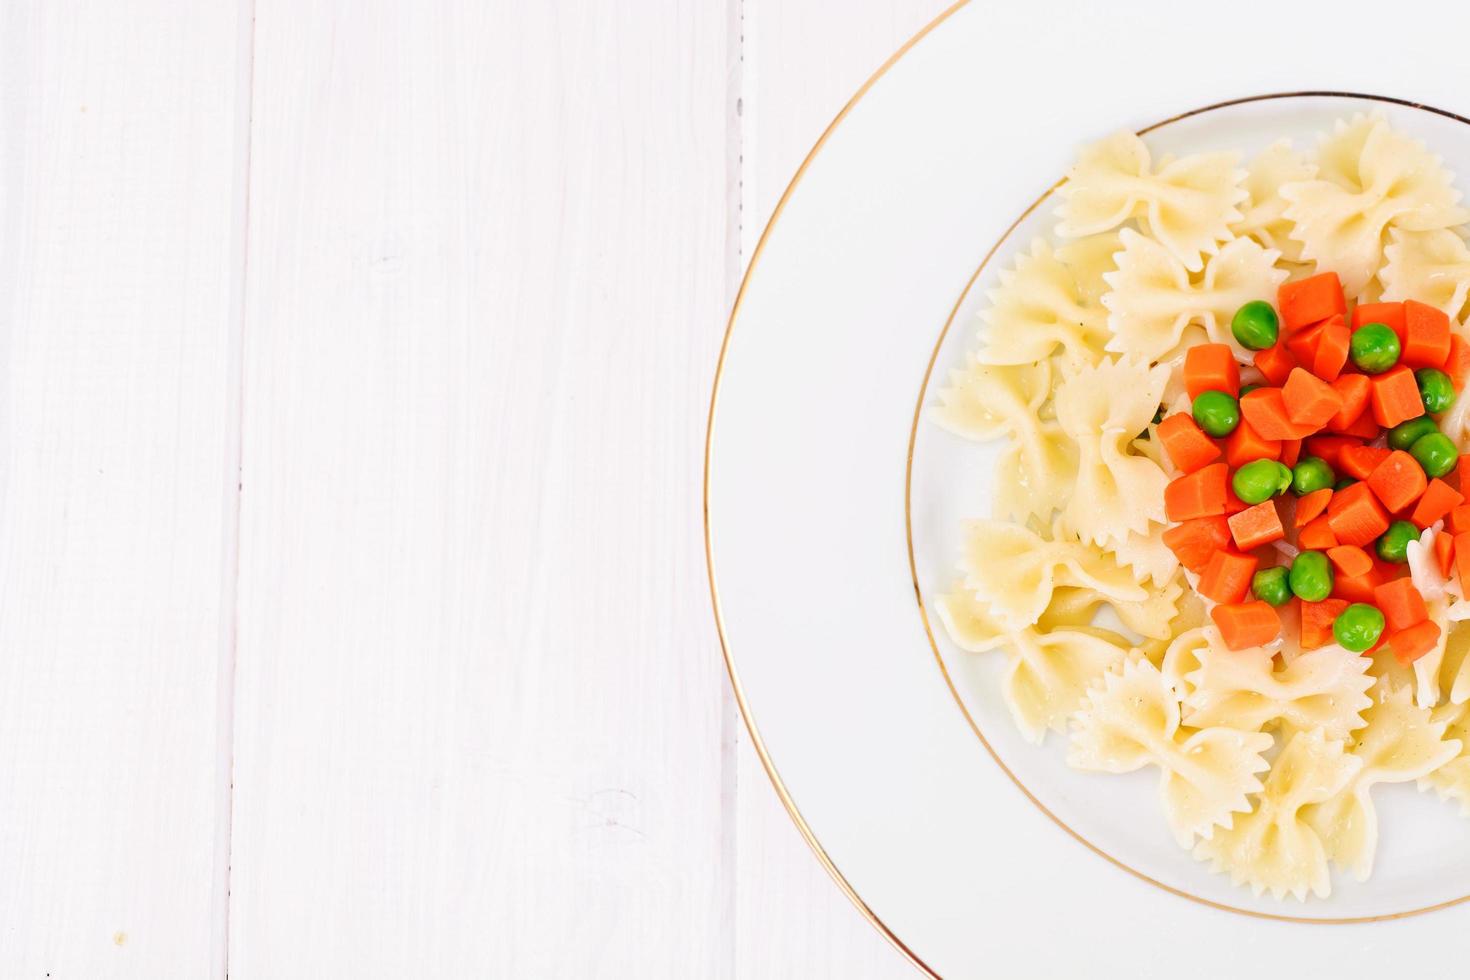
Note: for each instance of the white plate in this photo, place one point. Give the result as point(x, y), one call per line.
point(831, 341)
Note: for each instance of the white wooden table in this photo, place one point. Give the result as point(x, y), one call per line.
point(355, 360)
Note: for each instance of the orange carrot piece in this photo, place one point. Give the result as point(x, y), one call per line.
point(1211, 367)
point(1195, 541)
point(1246, 624)
point(1426, 335)
point(1444, 553)
point(1390, 315)
point(1401, 604)
point(1410, 644)
point(1317, 618)
point(1355, 515)
point(1265, 410)
point(1275, 363)
point(1462, 472)
point(1354, 390)
point(1395, 397)
point(1309, 400)
point(1359, 462)
point(1354, 588)
point(1317, 535)
point(1246, 444)
point(1332, 349)
point(1312, 505)
point(1350, 560)
point(1438, 499)
point(1329, 448)
point(1398, 481)
point(1310, 300)
point(1458, 521)
point(1457, 365)
point(1227, 576)
point(1291, 451)
point(1198, 494)
point(1365, 428)
point(1303, 344)
point(1256, 526)
point(1186, 443)
point(1462, 557)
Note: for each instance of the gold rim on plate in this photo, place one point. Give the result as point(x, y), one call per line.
point(913, 564)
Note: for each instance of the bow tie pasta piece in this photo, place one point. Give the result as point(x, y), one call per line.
point(1452, 780)
point(1132, 721)
point(1039, 309)
point(1323, 688)
point(1148, 556)
point(1015, 570)
point(1182, 659)
point(1263, 216)
point(1154, 298)
point(969, 622)
point(1103, 409)
point(1429, 266)
point(1399, 743)
point(1089, 259)
point(985, 402)
point(1272, 848)
point(1429, 668)
point(1188, 204)
point(1370, 178)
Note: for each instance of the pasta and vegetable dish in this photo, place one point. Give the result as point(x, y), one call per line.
point(1231, 527)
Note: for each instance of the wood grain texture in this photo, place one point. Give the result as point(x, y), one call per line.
point(117, 241)
point(802, 62)
point(480, 708)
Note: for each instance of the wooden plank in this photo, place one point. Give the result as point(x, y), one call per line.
point(802, 62)
point(480, 706)
point(118, 234)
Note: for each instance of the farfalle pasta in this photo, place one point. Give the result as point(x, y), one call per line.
point(1226, 540)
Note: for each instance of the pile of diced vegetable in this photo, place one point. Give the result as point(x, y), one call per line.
point(1337, 455)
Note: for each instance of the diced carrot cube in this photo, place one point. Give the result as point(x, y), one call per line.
point(1355, 515)
point(1462, 472)
point(1256, 526)
point(1426, 335)
point(1458, 521)
point(1196, 540)
point(1245, 444)
point(1354, 588)
point(1303, 344)
point(1398, 481)
point(1211, 367)
point(1332, 349)
point(1246, 624)
point(1350, 560)
point(1265, 410)
point(1365, 427)
point(1354, 390)
point(1401, 604)
point(1188, 447)
point(1329, 448)
point(1408, 645)
point(1390, 315)
point(1359, 462)
point(1444, 552)
point(1309, 400)
point(1462, 558)
point(1457, 365)
point(1291, 451)
point(1438, 500)
point(1227, 576)
point(1395, 397)
point(1310, 300)
point(1202, 493)
point(1317, 619)
point(1313, 504)
point(1275, 363)
point(1317, 535)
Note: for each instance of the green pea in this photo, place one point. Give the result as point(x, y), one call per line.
point(1311, 473)
point(1310, 577)
point(1260, 480)
point(1217, 413)
point(1374, 348)
point(1344, 483)
point(1358, 627)
point(1435, 453)
point(1435, 389)
point(1405, 434)
point(1393, 544)
point(1270, 585)
point(1256, 325)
